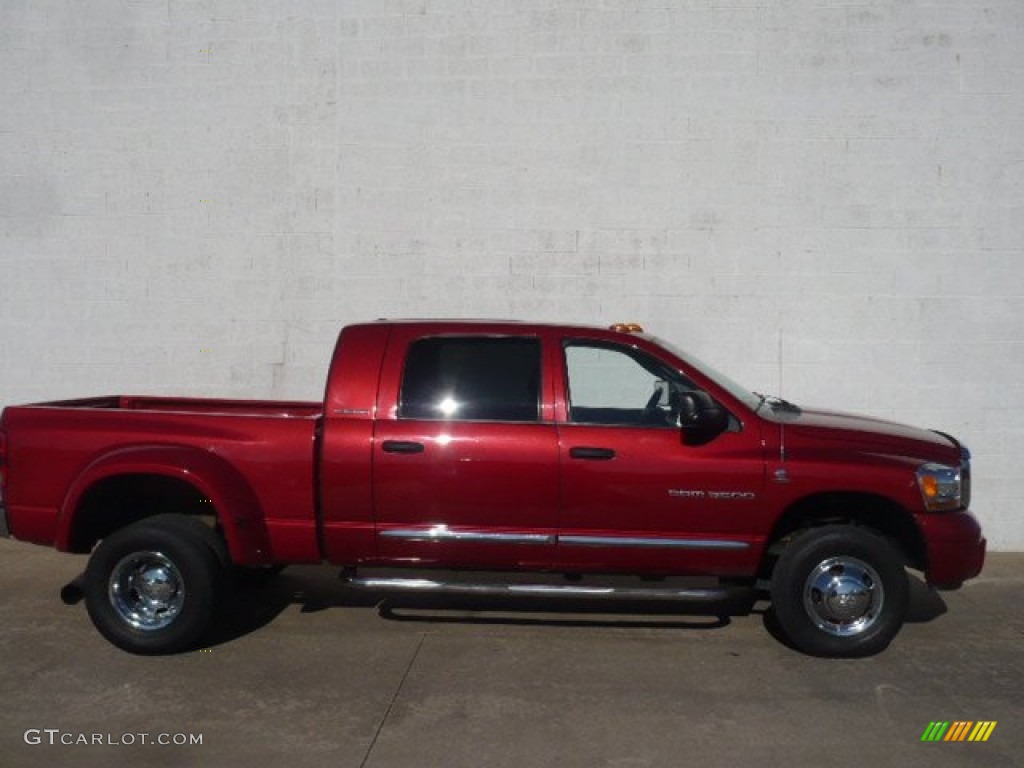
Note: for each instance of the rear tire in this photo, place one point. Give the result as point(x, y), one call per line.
point(154, 587)
point(839, 591)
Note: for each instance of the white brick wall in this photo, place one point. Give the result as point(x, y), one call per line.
point(822, 197)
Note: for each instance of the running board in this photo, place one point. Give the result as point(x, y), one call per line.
point(434, 587)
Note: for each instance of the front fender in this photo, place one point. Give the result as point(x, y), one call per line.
point(237, 506)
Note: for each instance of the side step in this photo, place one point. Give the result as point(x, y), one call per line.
point(688, 595)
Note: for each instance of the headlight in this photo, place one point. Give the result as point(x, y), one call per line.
point(940, 487)
point(965, 475)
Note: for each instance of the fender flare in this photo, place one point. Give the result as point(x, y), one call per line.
point(237, 506)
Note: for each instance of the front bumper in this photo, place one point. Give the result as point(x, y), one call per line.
point(956, 548)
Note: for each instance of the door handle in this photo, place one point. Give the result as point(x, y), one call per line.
point(402, 446)
point(593, 454)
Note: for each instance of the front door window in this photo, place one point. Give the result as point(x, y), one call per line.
point(619, 386)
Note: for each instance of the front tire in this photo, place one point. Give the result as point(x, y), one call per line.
point(154, 587)
point(839, 591)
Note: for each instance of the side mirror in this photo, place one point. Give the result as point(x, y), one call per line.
point(701, 418)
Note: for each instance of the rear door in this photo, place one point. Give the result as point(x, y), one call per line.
point(465, 461)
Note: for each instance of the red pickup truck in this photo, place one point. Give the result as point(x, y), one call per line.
point(580, 455)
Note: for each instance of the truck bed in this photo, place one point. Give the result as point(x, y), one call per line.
point(264, 450)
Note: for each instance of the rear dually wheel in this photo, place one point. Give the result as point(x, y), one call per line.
point(154, 587)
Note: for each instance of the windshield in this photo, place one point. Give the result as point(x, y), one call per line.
point(735, 389)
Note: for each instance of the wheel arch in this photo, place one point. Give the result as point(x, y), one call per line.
point(863, 509)
point(131, 484)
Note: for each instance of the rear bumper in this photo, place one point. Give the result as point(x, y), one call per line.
point(5, 531)
point(956, 548)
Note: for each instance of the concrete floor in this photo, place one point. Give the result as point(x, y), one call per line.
point(309, 675)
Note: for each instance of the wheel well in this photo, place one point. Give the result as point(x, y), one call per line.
point(861, 509)
point(116, 502)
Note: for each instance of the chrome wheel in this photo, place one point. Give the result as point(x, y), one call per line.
point(843, 596)
point(839, 590)
point(146, 590)
point(156, 585)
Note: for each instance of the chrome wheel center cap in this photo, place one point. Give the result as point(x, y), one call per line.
point(843, 596)
point(846, 599)
point(156, 584)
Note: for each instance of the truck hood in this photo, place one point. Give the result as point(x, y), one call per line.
point(833, 430)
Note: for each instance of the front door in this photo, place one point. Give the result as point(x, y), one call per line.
point(638, 496)
point(466, 471)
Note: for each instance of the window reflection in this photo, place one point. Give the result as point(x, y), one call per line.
point(472, 378)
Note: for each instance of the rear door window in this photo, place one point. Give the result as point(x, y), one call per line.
point(472, 379)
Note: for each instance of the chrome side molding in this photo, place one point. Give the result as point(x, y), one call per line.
point(654, 543)
point(442, 533)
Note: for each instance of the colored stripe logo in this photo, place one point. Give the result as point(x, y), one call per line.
point(959, 730)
